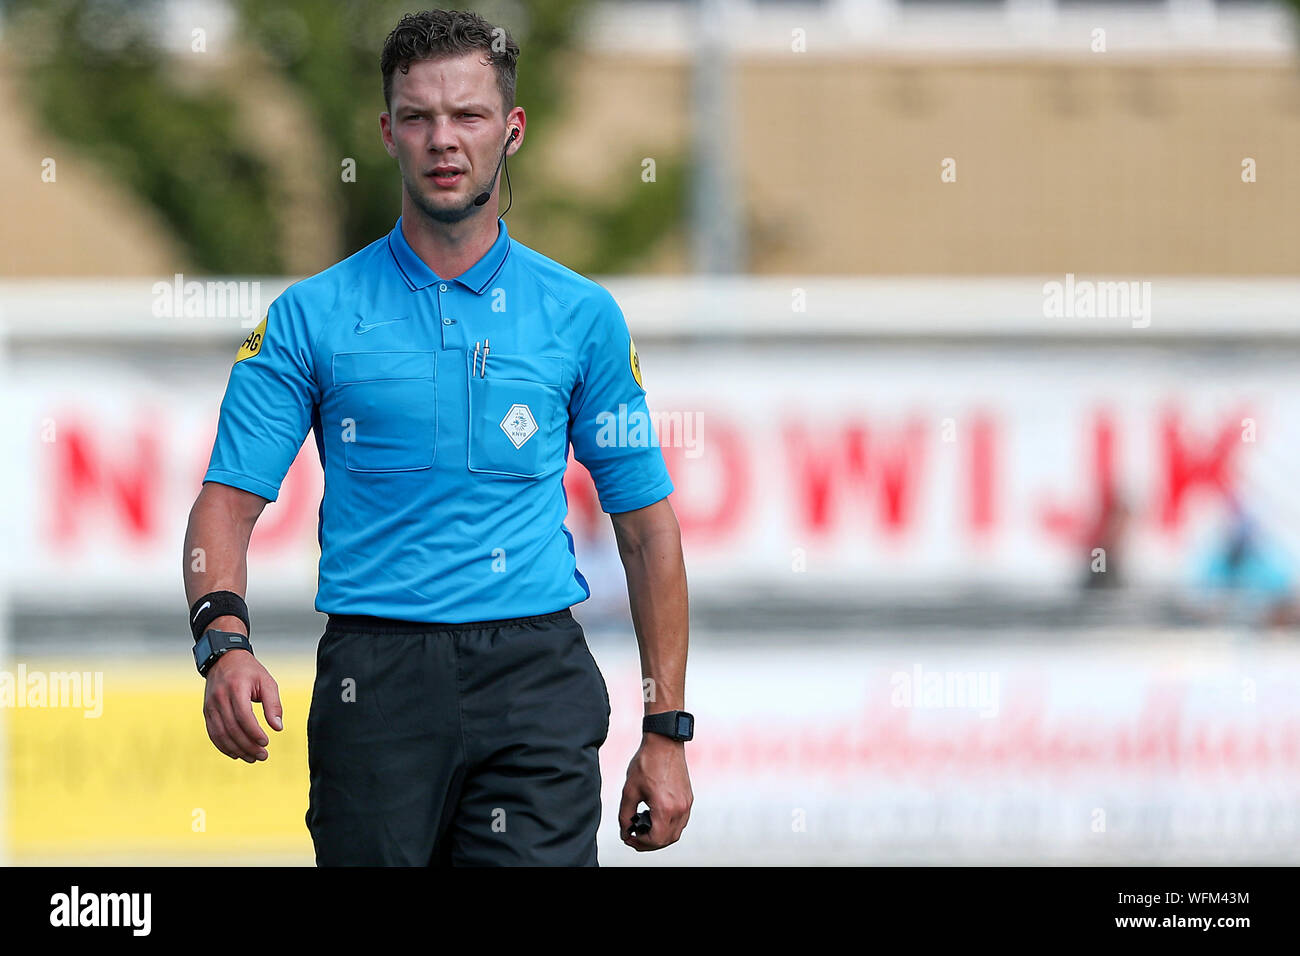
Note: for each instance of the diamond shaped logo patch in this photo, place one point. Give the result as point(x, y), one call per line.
point(519, 425)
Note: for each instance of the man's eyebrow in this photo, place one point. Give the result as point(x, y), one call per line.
point(412, 108)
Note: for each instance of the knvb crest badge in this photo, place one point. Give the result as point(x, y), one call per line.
point(519, 425)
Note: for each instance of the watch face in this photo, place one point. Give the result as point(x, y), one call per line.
point(685, 725)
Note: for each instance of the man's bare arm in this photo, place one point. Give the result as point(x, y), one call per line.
point(216, 559)
point(216, 545)
point(650, 545)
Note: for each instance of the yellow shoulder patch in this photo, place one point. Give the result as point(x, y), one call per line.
point(634, 361)
point(253, 344)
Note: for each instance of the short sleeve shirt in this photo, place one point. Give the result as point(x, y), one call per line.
point(443, 412)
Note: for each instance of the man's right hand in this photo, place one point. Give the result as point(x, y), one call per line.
point(234, 682)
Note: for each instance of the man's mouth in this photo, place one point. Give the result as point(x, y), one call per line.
point(446, 176)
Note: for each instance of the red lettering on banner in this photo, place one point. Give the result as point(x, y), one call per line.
point(983, 475)
point(900, 463)
point(1075, 526)
point(1051, 743)
point(124, 481)
point(824, 470)
point(817, 468)
point(1188, 469)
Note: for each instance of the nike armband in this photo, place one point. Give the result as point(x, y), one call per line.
point(214, 605)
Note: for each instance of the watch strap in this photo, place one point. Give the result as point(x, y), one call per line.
point(213, 643)
point(676, 724)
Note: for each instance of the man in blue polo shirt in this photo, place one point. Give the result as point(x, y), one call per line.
point(444, 370)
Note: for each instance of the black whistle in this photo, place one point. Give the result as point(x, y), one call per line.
point(640, 824)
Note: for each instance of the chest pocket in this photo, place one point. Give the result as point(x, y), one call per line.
point(517, 414)
point(387, 409)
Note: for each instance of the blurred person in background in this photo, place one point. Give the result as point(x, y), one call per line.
point(1108, 533)
point(1245, 577)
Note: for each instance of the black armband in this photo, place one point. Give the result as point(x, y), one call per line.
point(214, 605)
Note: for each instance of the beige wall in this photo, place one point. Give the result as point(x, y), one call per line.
point(1083, 166)
point(1060, 167)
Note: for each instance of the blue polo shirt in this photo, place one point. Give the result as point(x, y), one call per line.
point(443, 469)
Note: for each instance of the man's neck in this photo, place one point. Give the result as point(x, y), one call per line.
point(449, 248)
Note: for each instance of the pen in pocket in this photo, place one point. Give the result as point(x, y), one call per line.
point(480, 370)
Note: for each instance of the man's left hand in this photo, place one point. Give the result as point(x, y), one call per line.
point(657, 776)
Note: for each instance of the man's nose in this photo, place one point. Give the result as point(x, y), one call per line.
point(442, 135)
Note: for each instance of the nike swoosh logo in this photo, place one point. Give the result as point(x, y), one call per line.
point(363, 326)
point(200, 611)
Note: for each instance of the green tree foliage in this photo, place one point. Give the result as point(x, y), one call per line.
point(98, 79)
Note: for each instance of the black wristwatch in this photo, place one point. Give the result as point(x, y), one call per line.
point(677, 724)
point(213, 644)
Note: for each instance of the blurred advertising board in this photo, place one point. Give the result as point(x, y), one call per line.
point(1143, 746)
point(891, 468)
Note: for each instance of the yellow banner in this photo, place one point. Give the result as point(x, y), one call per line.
point(141, 781)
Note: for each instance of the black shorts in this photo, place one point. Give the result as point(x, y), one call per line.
point(455, 744)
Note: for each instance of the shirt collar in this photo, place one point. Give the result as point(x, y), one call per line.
point(418, 274)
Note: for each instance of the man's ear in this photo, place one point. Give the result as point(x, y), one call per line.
point(385, 134)
point(515, 120)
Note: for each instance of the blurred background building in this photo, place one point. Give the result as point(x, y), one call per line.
point(970, 330)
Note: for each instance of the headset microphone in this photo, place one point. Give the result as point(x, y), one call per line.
point(483, 197)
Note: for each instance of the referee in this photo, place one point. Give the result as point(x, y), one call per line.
point(445, 369)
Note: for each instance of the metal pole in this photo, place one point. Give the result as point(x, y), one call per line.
point(717, 235)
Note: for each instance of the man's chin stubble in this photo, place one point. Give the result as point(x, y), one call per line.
point(445, 214)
